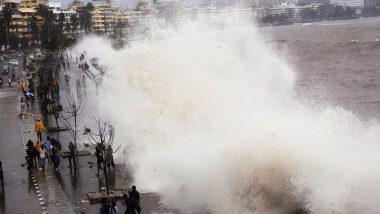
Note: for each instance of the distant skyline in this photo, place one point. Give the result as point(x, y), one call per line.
point(128, 3)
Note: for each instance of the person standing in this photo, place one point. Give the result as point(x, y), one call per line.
point(43, 155)
point(109, 158)
point(38, 128)
point(99, 158)
point(134, 195)
point(72, 154)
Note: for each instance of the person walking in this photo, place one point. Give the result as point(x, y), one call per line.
point(134, 195)
point(30, 153)
point(84, 81)
point(37, 149)
point(22, 103)
point(105, 208)
point(9, 81)
point(43, 155)
point(48, 148)
point(38, 128)
point(27, 103)
point(114, 209)
point(131, 207)
point(13, 74)
point(55, 157)
point(72, 154)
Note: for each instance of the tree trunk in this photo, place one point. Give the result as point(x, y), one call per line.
point(105, 174)
point(56, 122)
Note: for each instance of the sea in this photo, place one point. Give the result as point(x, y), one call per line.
point(337, 63)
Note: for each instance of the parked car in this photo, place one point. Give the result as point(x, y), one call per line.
point(13, 62)
point(5, 69)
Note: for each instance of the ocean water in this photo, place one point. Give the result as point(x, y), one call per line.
point(336, 62)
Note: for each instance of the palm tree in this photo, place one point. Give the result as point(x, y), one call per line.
point(42, 10)
point(7, 15)
point(3, 33)
point(32, 21)
point(68, 28)
point(89, 7)
point(87, 16)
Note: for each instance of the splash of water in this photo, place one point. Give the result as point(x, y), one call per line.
point(210, 120)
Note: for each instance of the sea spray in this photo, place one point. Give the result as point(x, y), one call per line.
point(207, 113)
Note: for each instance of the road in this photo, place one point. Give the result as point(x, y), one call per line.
point(19, 195)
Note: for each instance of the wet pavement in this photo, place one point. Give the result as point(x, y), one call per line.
point(51, 195)
point(77, 182)
point(60, 191)
point(18, 195)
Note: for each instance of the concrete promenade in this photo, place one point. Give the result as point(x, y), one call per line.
point(60, 191)
point(52, 198)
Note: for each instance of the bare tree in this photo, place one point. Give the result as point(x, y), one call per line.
point(71, 112)
point(102, 141)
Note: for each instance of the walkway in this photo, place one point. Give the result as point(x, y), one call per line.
point(51, 192)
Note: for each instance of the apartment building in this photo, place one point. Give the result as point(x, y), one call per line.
point(108, 20)
point(348, 3)
point(57, 10)
point(23, 21)
point(31, 3)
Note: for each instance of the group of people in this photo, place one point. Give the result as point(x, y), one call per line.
point(130, 200)
point(84, 66)
point(38, 153)
point(108, 158)
point(27, 95)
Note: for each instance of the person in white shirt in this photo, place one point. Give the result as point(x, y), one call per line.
point(43, 154)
